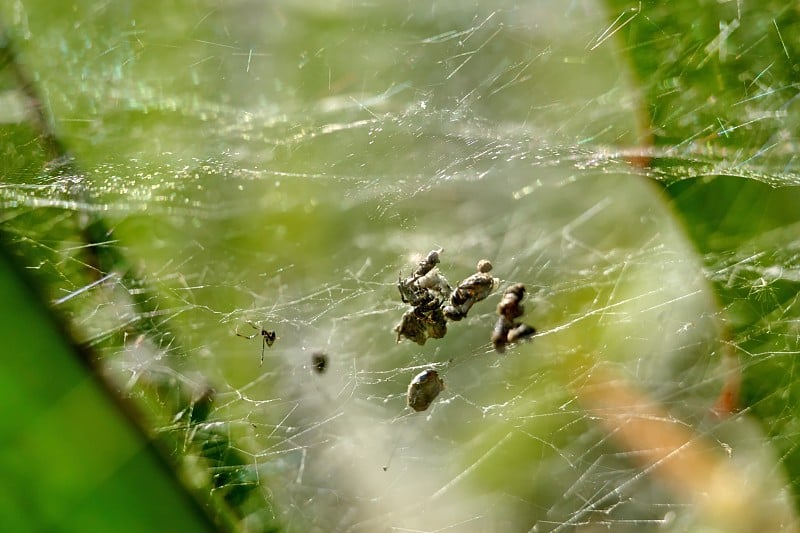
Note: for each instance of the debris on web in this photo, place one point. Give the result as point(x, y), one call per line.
point(433, 300)
point(423, 389)
point(471, 291)
point(508, 330)
point(425, 290)
point(319, 362)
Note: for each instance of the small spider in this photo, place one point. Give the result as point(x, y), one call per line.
point(423, 389)
point(319, 362)
point(268, 337)
point(507, 330)
point(470, 291)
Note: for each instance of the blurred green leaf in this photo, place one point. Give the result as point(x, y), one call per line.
point(720, 82)
point(71, 460)
point(280, 163)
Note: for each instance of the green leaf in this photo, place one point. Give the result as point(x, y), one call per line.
point(72, 460)
point(195, 167)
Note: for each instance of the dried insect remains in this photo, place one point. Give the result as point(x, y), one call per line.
point(470, 291)
point(425, 290)
point(411, 291)
point(434, 301)
point(423, 389)
point(268, 337)
point(508, 330)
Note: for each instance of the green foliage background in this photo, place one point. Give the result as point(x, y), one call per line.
point(263, 148)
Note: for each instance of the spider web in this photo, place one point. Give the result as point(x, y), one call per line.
point(301, 157)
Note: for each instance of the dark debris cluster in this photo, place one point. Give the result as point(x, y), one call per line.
point(508, 330)
point(433, 301)
point(425, 290)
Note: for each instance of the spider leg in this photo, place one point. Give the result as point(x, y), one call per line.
point(245, 336)
point(263, 345)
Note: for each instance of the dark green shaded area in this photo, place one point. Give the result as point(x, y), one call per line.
point(66, 246)
point(70, 460)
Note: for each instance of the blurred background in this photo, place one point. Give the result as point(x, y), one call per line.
point(171, 174)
